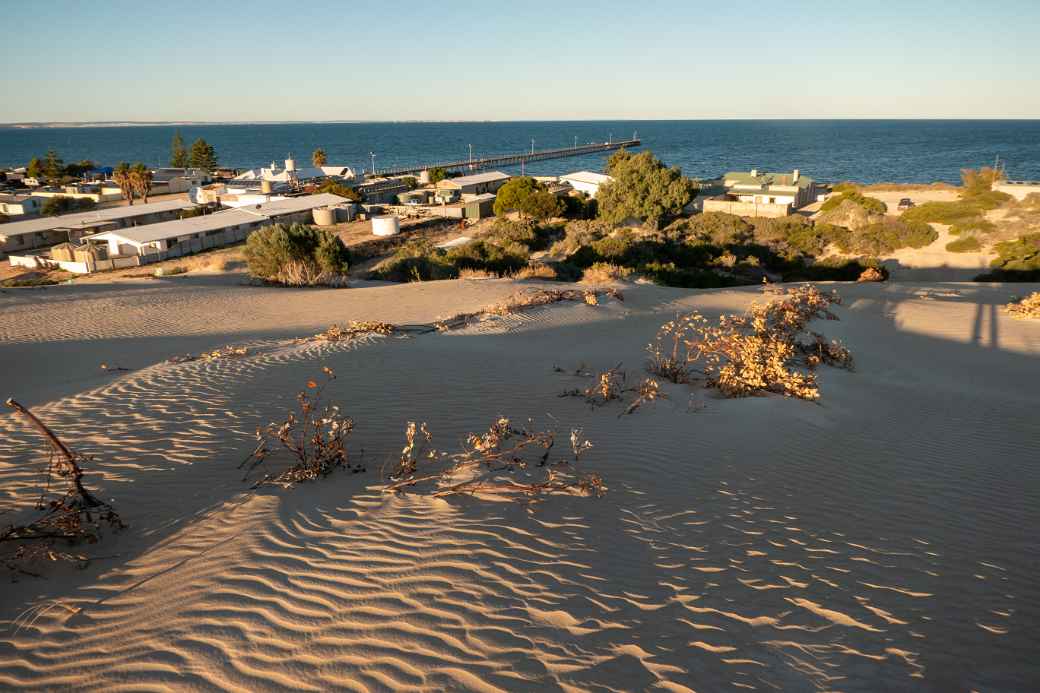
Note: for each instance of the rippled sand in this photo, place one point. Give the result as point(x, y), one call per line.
point(883, 539)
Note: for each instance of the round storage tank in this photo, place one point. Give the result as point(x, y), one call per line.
point(385, 226)
point(324, 216)
point(345, 213)
point(265, 187)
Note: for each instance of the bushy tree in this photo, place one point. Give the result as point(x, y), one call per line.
point(35, 168)
point(62, 204)
point(296, 255)
point(203, 156)
point(513, 194)
point(644, 189)
point(336, 188)
point(53, 166)
point(872, 205)
point(437, 174)
point(542, 205)
point(178, 152)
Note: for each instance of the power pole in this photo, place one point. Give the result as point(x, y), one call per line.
point(373, 155)
point(532, 145)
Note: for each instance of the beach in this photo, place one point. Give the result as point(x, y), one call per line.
point(882, 538)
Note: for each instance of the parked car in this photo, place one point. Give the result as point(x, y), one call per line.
point(905, 203)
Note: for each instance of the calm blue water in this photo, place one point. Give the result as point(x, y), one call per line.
point(861, 150)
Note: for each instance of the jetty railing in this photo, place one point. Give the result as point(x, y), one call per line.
point(512, 159)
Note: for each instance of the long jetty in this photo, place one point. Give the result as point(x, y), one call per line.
point(512, 159)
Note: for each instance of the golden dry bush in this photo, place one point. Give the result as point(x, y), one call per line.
point(757, 352)
point(505, 462)
point(536, 270)
point(352, 330)
point(602, 272)
point(1027, 308)
point(871, 274)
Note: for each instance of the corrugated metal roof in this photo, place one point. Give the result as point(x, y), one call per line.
point(291, 205)
point(182, 227)
point(92, 218)
point(764, 180)
point(477, 178)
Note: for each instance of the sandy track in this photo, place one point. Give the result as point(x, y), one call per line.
point(880, 540)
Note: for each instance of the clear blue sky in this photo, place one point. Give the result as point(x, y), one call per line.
point(569, 59)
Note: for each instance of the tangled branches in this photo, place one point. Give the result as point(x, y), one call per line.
point(1025, 309)
point(315, 436)
point(609, 386)
point(73, 517)
point(225, 352)
point(504, 462)
point(525, 300)
point(753, 353)
point(353, 330)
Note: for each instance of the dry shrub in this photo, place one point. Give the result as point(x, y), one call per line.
point(492, 464)
point(60, 518)
point(314, 436)
point(871, 274)
point(303, 273)
point(471, 273)
point(753, 353)
point(353, 330)
point(609, 386)
point(225, 352)
point(605, 272)
point(1026, 309)
point(524, 300)
point(536, 270)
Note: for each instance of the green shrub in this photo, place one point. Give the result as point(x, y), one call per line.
point(62, 204)
point(834, 269)
point(580, 233)
point(416, 261)
point(979, 225)
point(887, 236)
point(967, 244)
point(490, 257)
point(670, 274)
point(1019, 255)
point(297, 255)
point(719, 228)
point(871, 204)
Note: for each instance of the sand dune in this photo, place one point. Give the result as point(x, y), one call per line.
point(882, 539)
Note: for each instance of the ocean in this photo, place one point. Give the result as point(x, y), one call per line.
point(867, 151)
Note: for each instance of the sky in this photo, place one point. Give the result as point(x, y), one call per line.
point(571, 59)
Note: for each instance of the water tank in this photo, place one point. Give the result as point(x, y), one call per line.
point(386, 226)
point(265, 186)
point(290, 164)
point(324, 216)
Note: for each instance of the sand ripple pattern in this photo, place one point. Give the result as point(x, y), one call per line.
point(881, 541)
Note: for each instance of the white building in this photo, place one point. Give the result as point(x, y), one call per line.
point(587, 182)
point(20, 205)
point(44, 231)
point(274, 174)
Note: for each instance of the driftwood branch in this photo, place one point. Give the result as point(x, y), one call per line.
point(73, 468)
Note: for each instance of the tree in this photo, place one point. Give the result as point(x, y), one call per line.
point(63, 204)
point(203, 156)
point(644, 189)
point(122, 175)
point(318, 158)
point(437, 174)
point(335, 188)
point(514, 194)
point(141, 180)
point(178, 152)
point(542, 205)
point(53, 166)
point(35, 168)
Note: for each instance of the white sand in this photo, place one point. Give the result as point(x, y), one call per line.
point(883, 539)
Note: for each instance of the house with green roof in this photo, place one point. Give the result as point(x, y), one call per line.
point(762, 194)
